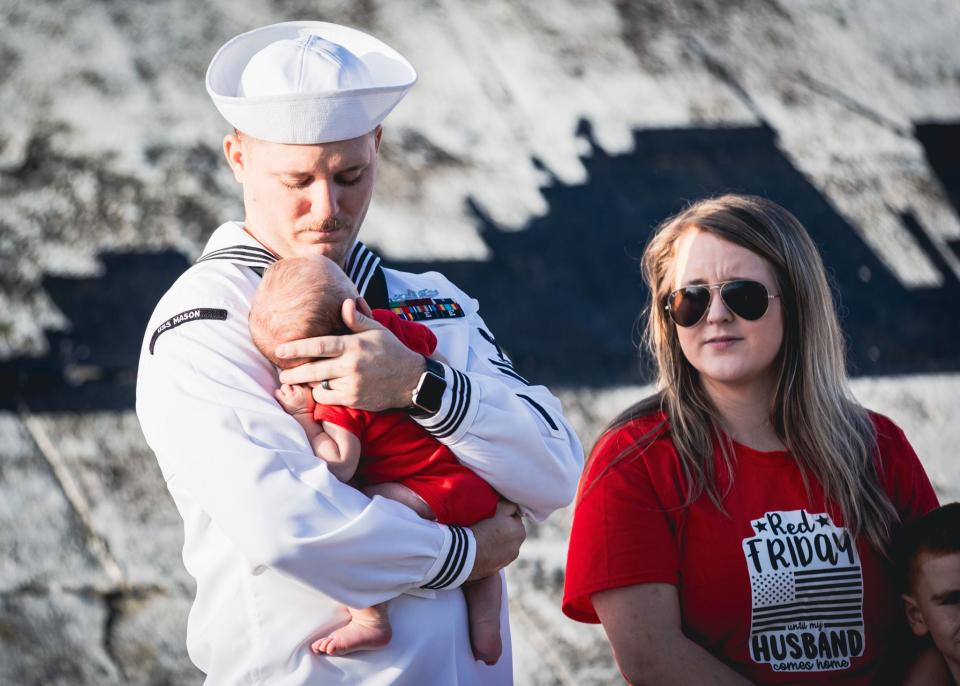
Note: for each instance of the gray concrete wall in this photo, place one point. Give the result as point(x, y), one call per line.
point(540, 133)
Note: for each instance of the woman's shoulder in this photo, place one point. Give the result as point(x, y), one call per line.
point(642, 437)
point(886, 428)
point(892, 444)
point(901, 472)
point(633, 468)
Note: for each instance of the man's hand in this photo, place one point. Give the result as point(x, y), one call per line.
point(498, 540)
point(368, 369)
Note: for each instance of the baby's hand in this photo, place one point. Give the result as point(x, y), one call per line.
point(295, 399)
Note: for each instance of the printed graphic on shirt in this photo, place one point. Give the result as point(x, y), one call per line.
point(807, 589)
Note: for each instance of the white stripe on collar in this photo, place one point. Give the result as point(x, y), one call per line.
point(232, 243)
point(361, 266)
point(242, 254)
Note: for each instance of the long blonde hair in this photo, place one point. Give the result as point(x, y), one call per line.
point(814, 413)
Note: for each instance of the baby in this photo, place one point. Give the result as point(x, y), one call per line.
point(385, 453)
point(930, 557)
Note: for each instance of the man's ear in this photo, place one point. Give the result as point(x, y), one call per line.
point(377, 135)
point(235, 149)
point(914, 617)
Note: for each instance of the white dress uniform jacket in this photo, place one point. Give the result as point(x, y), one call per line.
point(275, 542)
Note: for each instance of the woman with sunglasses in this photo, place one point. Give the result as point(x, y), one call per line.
point(734, 527)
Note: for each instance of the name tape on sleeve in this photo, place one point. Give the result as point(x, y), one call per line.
point(196, 314)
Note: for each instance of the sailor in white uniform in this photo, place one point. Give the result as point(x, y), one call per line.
point(275, 542)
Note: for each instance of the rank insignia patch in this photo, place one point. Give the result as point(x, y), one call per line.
point(424, 309)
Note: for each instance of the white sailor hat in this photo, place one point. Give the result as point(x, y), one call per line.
point(307, 82)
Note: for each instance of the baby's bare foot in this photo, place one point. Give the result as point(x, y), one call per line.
point(483, 604)
point(362, 633)
point(485, 639)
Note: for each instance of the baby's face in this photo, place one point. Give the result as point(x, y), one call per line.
point(936, 594)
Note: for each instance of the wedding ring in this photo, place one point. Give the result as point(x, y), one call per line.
point(325, 384)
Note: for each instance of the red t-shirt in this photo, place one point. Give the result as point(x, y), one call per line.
point(775, 589)
point(397, 449)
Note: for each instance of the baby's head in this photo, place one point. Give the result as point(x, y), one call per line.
point(299, 297)
point(930, 561)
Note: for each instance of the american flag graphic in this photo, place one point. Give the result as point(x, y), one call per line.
point(831, 597)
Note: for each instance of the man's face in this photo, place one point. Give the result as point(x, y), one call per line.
point(934, 605)
point(305, 200)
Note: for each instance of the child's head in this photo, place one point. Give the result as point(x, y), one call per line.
point(930, 560)
point(299, 297)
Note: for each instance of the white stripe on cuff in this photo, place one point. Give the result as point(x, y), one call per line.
point(455, 561)
point(458, 407)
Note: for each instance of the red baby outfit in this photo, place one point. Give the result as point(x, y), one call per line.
point(394, 448)
point(777, 588)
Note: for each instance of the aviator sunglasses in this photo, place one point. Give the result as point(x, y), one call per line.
point(746, 299)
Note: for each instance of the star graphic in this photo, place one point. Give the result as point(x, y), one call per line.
point(761, 526)
point(823, 521)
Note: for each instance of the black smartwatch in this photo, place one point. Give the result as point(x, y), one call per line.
point(428, 395)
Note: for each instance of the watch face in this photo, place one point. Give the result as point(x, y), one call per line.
point(429, 393)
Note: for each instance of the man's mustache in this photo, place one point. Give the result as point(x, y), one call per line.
point(326, 225)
